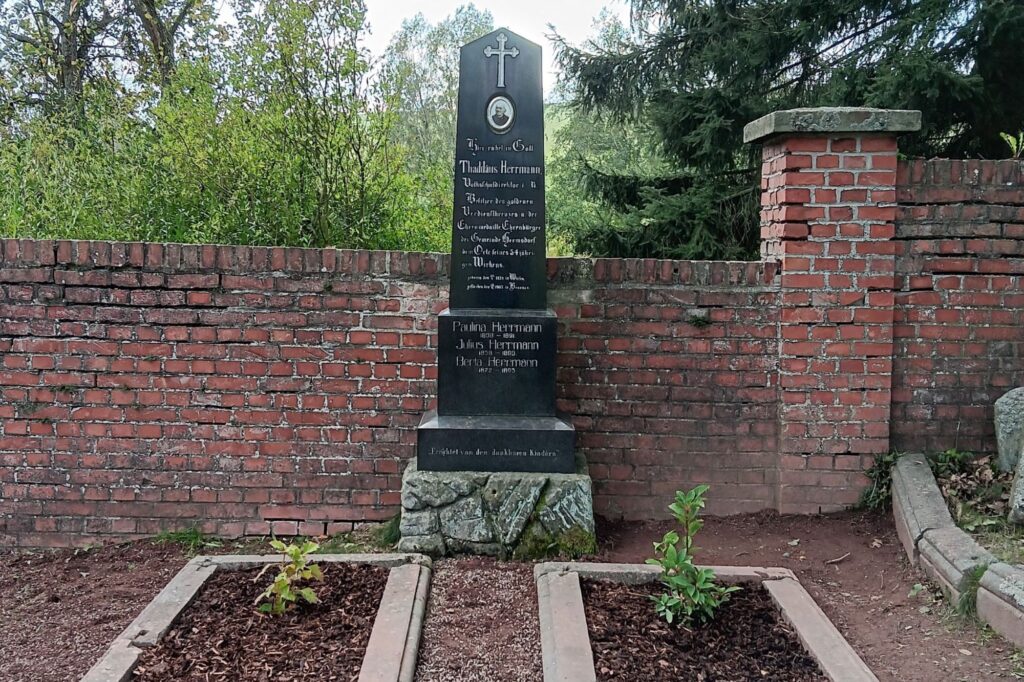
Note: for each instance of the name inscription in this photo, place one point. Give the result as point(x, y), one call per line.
point(497, 346)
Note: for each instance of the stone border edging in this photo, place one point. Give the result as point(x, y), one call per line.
point(565, 644)
point(950, 556)
point(399, 616)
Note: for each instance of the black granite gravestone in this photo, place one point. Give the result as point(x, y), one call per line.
point(496, 342)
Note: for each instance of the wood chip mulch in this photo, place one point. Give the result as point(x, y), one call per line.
point(746, 641)
point(221, 636)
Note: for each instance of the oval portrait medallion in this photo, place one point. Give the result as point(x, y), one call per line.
point(500, 114)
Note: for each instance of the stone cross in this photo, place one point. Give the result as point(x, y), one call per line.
point(501, 53)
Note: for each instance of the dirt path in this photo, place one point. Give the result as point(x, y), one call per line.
point(60, 611)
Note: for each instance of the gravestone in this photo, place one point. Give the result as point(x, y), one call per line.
point(495, 469)
point(497, 341)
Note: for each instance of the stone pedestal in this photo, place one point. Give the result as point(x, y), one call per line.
point(521, 514)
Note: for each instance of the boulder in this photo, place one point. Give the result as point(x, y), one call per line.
point(1010, 428)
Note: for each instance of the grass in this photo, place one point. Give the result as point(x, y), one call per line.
point(191, 539)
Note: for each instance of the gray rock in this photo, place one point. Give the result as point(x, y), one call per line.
point(1016, 514)
point(1010, 428)
point(511, 500)
point(832, 120)
point(465, 520)
point(480, 548)
point(568, 504)
point(436, 490)
point(423, 544)
point(419, 522)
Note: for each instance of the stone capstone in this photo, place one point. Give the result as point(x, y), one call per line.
point(832, 120)
point(495, 513)
point(1009, 416)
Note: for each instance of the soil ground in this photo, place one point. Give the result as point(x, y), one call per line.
point(60, 610)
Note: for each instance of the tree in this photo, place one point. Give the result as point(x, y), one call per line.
point(162, 23)
point(696, 71)
point(49, 47)
point(421, 69)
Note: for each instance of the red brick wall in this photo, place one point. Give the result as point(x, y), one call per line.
point(959, 301)
point(828, 209)
point(151, 386)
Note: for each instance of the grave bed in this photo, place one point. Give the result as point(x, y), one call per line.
point(368, 623)
point(772, 621)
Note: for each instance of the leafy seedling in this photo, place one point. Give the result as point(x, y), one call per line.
point(285, 591)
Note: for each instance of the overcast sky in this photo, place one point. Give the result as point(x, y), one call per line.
point(529, 18)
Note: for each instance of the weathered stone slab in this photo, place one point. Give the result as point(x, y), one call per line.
point(1009, 418)
point(918, 505)
point(496, 513)
point(832, 120)
point(953, 559)
point(1001, 601)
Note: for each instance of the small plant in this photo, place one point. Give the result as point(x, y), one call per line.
point(191, 539)
point(284, 592)
point(1016, 144)
point(692, 593)
point(878, 496)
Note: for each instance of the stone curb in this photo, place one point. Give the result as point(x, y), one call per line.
point(949, 555)
point(120, 659)
point(917, 503)
point(565, 644)
point(399, 621)
point(637, 574)
point(1001, 601)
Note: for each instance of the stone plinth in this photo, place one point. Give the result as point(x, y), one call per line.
point(497, 513)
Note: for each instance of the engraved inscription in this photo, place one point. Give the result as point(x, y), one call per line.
point(491, 452)
point(497, 347)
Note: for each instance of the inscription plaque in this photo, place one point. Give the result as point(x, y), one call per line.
point(497, 341)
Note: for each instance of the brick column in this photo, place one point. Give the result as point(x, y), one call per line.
point(828, 213)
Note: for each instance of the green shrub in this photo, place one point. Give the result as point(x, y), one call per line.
point(691, 592)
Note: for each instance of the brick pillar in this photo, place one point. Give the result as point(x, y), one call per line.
point(828, 212)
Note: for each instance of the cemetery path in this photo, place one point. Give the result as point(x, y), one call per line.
point(482, 623)
point(854, 567)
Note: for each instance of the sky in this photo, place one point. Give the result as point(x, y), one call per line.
point(529, 18)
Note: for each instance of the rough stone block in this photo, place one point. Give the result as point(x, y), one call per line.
point(496, 513)
point(1009, 417)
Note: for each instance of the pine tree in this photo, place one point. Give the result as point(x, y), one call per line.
point(696, 71)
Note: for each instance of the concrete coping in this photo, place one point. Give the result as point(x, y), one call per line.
point(565, 642)
point(394, 640)
point(832, 120)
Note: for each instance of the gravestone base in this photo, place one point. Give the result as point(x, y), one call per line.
point(519, 514)
point(495, 442)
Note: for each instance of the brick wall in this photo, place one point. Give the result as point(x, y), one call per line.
point(828, 211)
point(247, 390)
point(959, 301)
point(152, 386)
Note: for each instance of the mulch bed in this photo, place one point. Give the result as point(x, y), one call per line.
point(746, 641)
point(221, 636)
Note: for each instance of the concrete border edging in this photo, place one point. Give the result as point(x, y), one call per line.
point(568, 656)
point(399, 616)
point(950, 556)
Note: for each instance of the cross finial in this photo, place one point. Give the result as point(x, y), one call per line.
point(501, 53)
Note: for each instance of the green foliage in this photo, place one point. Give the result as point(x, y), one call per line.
point(691, 592)
point(694, 73)
point(277, 132)
point(191, 539)
point(878, 496)
point(1016, 144)
point(285, 591)
point(388, 534)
